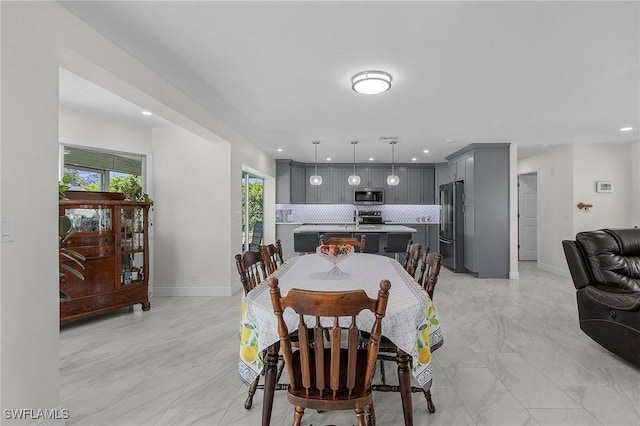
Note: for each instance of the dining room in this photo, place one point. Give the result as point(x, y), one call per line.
point(512, 351)
point(514, 356)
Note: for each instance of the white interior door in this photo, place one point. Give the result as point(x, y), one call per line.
point(528, 217)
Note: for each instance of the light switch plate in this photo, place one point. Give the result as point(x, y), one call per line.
point(7, 231)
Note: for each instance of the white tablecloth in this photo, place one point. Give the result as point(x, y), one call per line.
point(411, 320)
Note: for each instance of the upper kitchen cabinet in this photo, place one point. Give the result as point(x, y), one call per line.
point(318, 194)
point(375, 177)
point(486, 223)
point(415, 187)
point(398, 194)
point(290, 182)
point(457, 168)
point(341, 192)
point(293, 187)
point(442, 177)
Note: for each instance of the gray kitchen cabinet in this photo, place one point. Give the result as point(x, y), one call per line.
point(284, 233)
point(290, 187)
point(427, 189)
point(340, 192)
point(470, 240)
point(420, 185)
point(441, 177)
point(398, 194)
point(293, 187)
point(486, 208)
point(457, 169)
point(414, 186)
point(469, 182)
point(298, 186)
point(376, 178)
point(419, 237)
point(317, 194)
point(432, 237)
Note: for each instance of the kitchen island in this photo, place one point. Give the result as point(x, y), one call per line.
point(376, 235)
point(355, 229)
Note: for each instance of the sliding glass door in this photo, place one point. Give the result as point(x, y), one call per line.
point(252, 209)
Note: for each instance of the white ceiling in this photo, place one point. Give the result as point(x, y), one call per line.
point(538, 74)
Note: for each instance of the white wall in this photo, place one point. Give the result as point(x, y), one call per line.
point(567, 176)
point(635, 184)
point(555, 204)
point(84, 128)
point(602, 162)
point(29, 305)
point(37, 38)
point(192, 217)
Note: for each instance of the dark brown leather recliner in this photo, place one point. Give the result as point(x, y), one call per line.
point(605, 268)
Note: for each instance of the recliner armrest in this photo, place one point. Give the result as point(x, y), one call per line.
point(614, 298)
point(577, 267)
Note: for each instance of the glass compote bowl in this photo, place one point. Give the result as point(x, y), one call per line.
point(335, 254)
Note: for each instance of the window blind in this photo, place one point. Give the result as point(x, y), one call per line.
point(102, 161)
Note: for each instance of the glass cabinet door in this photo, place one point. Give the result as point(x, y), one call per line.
point(132, 257)
point(96, 219)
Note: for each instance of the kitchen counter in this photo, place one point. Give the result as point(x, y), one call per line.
point(352, 228)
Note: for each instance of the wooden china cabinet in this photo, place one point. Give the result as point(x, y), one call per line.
point(112, 234)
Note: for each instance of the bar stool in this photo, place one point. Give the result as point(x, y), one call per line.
point(305, 242)
point(397, 243)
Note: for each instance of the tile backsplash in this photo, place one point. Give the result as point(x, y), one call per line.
point(343, 213)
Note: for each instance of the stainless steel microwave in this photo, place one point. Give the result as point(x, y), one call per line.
point(368, 196)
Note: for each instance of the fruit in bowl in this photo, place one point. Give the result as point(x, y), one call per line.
point(335, 252)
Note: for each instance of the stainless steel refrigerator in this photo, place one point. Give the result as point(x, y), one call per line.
point(452, 225)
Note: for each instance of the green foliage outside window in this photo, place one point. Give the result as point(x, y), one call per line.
point(256, 190)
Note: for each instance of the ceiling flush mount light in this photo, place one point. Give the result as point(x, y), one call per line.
point(371, 82)
point(279, 149)
point(316, 179)
point(354, 179)
point(146, 112)
point(393, 179)
point(626, 129)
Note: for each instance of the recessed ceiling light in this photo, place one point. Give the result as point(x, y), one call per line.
point(328, 158)
point(626, 129)
point(279, 149)
point(414, 159)
point(371, 82)
point(450, 140)
point(426, 151)
point(146, 113)
point(370, 158)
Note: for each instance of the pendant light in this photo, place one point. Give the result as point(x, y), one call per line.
point(316, 179)
point(393, 179)
point(354, 179)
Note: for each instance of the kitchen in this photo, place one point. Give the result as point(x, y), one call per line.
point(414, 204)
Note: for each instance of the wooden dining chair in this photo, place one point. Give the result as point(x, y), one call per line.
point(339, 376)
point(252, 270)
point(430, 269)
point(413, 259)
point(271, 256)
point(359, 244)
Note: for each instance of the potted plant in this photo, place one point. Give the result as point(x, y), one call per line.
point(65, 231)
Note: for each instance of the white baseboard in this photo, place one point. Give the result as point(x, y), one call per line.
point(554, 270)
point(192, 291)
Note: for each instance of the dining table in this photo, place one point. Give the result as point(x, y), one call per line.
point(411, 321)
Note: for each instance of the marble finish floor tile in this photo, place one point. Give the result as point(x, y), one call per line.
point(513, 354)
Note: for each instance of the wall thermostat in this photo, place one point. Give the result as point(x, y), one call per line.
point(603, 186)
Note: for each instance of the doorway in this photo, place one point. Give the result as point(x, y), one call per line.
point(252, 211)
point(528, 216)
